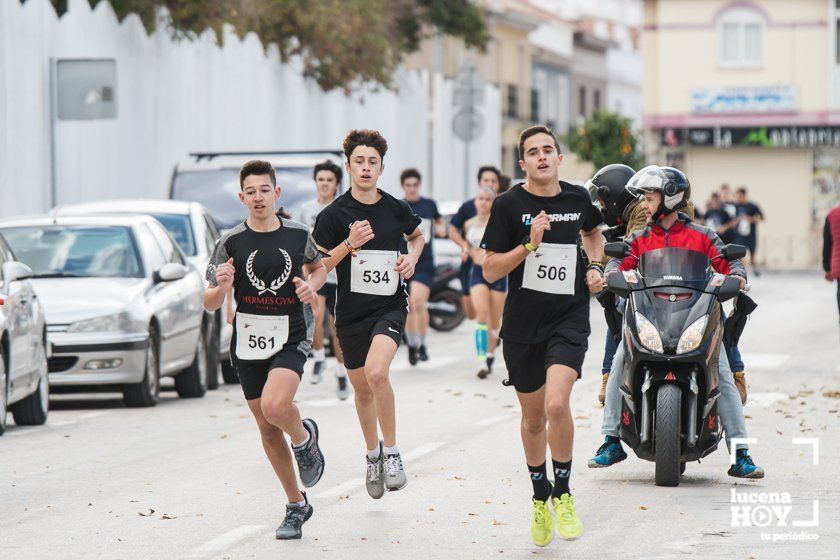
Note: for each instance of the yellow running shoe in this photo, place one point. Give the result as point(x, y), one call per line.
point(568, 525)
point(542, 525)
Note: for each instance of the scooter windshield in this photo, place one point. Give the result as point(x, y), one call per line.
point(672, 265)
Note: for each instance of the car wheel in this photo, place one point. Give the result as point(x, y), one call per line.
point(147, 392)
point(213, 351)
point(4, 393)
point(192, 382)
point(34, 409)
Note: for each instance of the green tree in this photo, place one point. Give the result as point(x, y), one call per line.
point(605, 138)
point(341, 42)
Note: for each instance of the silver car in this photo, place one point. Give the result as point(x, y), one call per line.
point(123, 307)
point(24, 385)
point(190, 225)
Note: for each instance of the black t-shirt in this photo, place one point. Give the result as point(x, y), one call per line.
point(533, 315)
point(265, 264)
point(390, 219)
point(751, 210)
point(465, 212)
point(427, 209)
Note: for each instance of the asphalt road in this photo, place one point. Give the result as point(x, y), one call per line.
point(188, 479)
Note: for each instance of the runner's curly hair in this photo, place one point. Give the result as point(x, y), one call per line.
point(365, 137)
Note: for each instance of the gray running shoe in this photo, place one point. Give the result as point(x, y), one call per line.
point(296, 516)
point(342, 392)
point(309, 458)
point(375, 477)
point(318, 372)
point(395, 478)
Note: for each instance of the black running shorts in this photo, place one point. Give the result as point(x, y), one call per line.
point(254, 374)
point(355, 339)
point(527, 364)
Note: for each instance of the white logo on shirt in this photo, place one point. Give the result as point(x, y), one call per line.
point(278, 283)
point(567, 217)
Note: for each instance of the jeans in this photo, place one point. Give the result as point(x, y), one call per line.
point(609, 352)
point(734, 356)
point(730, 410)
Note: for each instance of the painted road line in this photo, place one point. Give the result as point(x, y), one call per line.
point(226, 540)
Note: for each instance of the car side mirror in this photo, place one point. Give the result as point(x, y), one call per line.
point(733, 252)
point(14, 271)
point(617, 284)
point(617, 249)
point(729, 289)
point(170, 272)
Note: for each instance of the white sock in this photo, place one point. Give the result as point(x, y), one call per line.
point(305, 441)
point(339, 370)
point(299, 504)
point(373, 454)
point(422, 338)
point(391, 450)
point(320, 355)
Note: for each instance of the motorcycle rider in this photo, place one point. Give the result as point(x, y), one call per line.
point(664, 192)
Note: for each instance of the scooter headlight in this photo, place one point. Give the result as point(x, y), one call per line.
point(692, 336)
point(648, 335)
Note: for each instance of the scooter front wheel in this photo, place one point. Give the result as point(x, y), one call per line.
point(667, 435)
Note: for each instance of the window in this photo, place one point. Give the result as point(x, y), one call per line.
point(210, 235)
point(512, 101)
point(596, 100)
point(165, 242)
point(535, 105)
point(741, 33)
point(582, 101)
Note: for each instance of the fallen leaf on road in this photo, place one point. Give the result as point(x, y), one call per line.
point(457, 394)
point(223, 436)
point(644, 508)
point(473, 514)
point(89, 504)
point(832, 394)
point(460, 478)
point(151, 512)
point(431, 509)
point(167, 516)
point(496, 522)
point(480, 395)
point(581, 417)
point(487, 501)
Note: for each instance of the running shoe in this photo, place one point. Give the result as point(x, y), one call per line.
point(375, 478)
point(745, 468)
point(342, 392)
point(296, 516)
point(569, 526)
point(483, 373)
point(395, 478)
point(317, 372)
point(309, 458)
point(412, 355)
point(423, 354)
point(607, 455)
point(542, 524)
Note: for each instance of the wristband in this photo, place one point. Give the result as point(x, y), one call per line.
point(596, 266)
point(530, 247)
point(352, 250)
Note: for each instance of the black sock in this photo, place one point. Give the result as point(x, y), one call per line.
point(562, 473)
point(539, 479)
point(613, 439)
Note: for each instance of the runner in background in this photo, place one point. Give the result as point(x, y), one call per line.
point(424, 273)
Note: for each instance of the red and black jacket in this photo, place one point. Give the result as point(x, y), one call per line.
point(683, 235)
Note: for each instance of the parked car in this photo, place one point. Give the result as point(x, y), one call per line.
point(212, 179)
point(24, 382)
point(123, 308)
point(192, 227)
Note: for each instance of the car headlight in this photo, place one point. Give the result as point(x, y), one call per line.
point(648, 335)
point(118, 322)
point(692, 336)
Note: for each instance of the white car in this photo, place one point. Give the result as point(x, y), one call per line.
point(24, 383)
point(192, 227)
point(212, 179)
point(123, 308)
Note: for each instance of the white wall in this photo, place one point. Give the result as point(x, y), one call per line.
point(174, 97)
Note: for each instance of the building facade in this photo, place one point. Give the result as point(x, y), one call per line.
point(746, 93)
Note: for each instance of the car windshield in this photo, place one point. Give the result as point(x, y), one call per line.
point(180, 228)
point(70, 251)
point(218, 190)
point(673, 263)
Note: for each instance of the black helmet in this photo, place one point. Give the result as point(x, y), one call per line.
point(608, 186)
point(671, 183)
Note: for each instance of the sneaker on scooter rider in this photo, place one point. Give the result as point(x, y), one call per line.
point(610, 453)
point(744, 466)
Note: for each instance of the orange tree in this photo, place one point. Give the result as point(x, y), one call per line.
point(605, 138)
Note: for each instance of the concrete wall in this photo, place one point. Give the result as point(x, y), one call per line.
point(174, 97)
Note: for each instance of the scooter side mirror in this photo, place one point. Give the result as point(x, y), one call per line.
point(729, 289)
point(733, 252)
point(617, 249)
point(617, 284)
